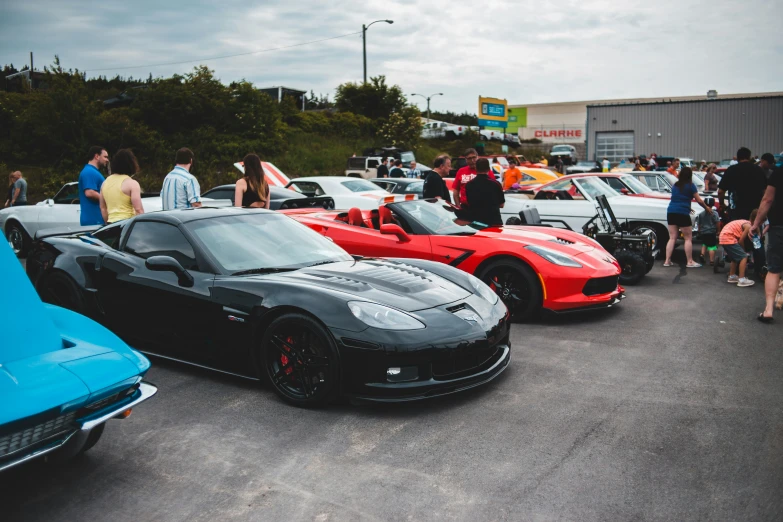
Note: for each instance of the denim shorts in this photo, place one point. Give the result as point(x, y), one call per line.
point(775, 249)
point(734, 252)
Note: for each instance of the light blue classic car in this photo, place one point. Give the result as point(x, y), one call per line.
point(62, 376)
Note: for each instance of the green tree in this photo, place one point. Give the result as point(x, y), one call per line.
point(375, 99)
point(403, 128)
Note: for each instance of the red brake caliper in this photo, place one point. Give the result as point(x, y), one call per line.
point(284, 359)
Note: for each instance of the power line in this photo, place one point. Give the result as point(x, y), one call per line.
point(225, 56)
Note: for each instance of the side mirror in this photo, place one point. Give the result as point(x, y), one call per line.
point(395, 230)
point(50, 202)
point(169, 264)
point(624, 191)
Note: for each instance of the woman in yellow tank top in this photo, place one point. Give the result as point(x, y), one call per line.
point(120, 196)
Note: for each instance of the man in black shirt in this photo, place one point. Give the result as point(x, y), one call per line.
point(396, 171)
point(745, 182)
point(434, 186)
point(772, 208)
point(485, 196)
point(383, 170)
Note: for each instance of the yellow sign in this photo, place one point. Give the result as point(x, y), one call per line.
point(493, 112)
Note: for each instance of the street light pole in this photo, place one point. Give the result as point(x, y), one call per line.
point(364, 43)
point(428, 98)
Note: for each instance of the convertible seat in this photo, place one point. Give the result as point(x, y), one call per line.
point(384, 216)
point(355, 217)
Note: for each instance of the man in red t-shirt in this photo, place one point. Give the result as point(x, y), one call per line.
point(674, 170)
point(465, 175)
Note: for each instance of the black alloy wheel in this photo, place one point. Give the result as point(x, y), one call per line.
point(659, 235)
point(18, 239)
point(632, 265)
point(59, 289)
point(299, 360)
point(517, 286)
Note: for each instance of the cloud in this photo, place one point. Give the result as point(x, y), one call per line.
point(523, 50)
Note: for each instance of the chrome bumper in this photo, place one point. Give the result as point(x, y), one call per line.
point(58, 441)
point(147, 390)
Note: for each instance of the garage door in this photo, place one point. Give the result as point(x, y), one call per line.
point(614, 146)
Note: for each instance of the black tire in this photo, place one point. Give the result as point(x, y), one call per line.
point(93, 438)
point(299, 360)
point(18, 238)
point(632, 265)
point(513, 221)
point(516, 284)
point(649, 264)
point(660, 235)
point(59, 289)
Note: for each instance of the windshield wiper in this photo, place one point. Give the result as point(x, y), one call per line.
point(267, 270)
point(462, 234)
point(321, 263)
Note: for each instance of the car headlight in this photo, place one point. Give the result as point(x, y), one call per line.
point(554, 257)
point(383, 317)
point(480, 288)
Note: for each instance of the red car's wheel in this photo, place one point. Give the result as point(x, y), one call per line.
point(517, 286)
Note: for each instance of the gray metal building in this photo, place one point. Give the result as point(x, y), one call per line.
point(709, 129)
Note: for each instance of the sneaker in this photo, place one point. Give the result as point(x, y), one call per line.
point(733, 279)
point(745, 282)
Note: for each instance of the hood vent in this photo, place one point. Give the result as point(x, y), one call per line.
point(562, 241)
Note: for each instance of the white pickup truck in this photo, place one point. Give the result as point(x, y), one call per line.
point(441, 129)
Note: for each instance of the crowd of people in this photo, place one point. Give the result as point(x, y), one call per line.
point(748, 198)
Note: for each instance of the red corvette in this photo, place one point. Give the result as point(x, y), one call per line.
point(530, 268)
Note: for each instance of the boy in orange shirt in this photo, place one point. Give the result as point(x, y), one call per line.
point(732, 239)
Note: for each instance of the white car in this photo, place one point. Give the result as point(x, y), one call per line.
point(346, 192)
point(575, 206)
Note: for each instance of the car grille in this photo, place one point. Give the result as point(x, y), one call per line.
point(600, 285)
point(464, 361)
point(16, 441)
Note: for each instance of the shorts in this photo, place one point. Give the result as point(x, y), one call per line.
point(679, 220)
point(710, 240)
point(775, 249)
point(734, 252)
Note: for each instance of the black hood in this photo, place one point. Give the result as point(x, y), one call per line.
point(391, 283)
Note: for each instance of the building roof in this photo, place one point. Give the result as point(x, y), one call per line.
point(628, 101)
point(697, 100)
point(300, 91)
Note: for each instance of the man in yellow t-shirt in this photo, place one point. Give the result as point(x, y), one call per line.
point(544, 161)
point(512, 175)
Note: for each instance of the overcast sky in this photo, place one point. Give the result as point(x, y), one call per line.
point(522, 50)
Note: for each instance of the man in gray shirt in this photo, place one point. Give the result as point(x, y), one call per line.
point(19, 193)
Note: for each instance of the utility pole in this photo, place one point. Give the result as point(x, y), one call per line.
point(364, 43)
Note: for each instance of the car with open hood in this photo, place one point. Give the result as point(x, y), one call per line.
point(251, 292)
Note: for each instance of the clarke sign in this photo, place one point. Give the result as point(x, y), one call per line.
point(553, 134)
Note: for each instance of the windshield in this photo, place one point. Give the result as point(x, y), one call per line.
point(585, 164)
point(561, 148)
point(263, 241)
point(594, 187)
point(407, 157)
point(360, 185)
point(637, 186)
point(437, 217)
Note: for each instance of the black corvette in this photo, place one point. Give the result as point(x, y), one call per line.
point(254, 293)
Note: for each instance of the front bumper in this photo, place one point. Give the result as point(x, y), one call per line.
point(450, 355)
point(72, 430)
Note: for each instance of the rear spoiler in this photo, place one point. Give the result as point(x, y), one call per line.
point(399, 197)
point(66, 231)
point(324, 202)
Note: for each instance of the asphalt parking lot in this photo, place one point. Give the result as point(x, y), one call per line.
point(667, 407)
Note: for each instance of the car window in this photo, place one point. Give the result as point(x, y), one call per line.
point(69, 194)
point(415, 188)
point(309, 188)
point(152, 238)
point(359, 185)
point(373, 163)
point(385, 185)
point(110, 234)
point(568, 186)
point(527, 177)
point(220, 193)
point(357, 163)
point(614, 183)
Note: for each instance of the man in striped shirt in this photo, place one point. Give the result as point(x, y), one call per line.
point(180, 187)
